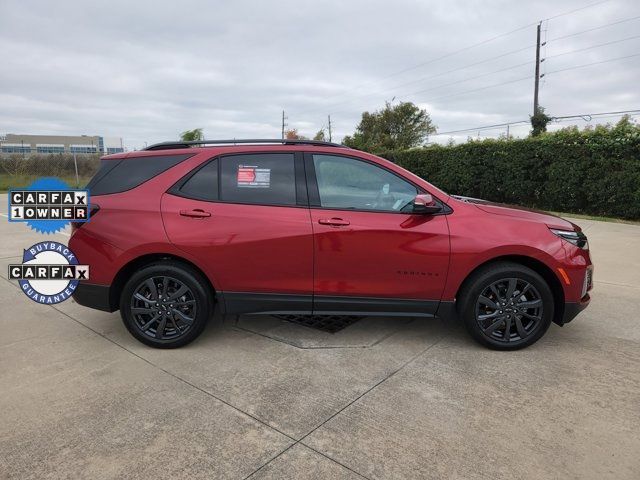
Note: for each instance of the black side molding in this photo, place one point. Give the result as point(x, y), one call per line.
point(373, 306)
point(237, 303)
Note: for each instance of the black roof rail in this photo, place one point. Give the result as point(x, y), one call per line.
point(195, 143)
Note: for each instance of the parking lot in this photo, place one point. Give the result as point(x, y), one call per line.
point(263, 398)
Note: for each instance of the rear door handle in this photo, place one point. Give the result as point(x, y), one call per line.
point(334, 222)
point(196, 213)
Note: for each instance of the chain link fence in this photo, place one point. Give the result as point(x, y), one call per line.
point(18, 171)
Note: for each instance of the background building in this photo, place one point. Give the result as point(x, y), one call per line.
point(12, 143)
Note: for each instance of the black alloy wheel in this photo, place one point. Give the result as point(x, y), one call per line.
point(163, 308)
point(166, 304)
point(506, 306)
point(509, 309)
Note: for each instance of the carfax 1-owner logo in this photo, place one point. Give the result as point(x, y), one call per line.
point(49, 272)
point(48, 205)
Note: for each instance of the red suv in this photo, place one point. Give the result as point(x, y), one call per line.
point(302, 227)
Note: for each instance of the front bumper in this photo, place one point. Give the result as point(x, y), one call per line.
point(571, 309)
point(93, 296)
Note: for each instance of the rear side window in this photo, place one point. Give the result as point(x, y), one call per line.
point(115, 176)
point(203, 184)
point(265, 178)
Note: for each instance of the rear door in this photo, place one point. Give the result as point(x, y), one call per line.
point(245, 218)
point(372, 254)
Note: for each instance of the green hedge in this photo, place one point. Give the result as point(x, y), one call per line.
point(592, 171)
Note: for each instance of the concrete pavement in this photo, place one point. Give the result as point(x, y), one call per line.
point(384, 398)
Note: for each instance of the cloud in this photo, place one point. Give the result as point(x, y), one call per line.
point(146, 71)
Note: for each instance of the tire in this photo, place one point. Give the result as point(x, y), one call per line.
point(506, 306)
point(171, 320)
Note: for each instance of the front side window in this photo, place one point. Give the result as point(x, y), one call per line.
point(347, 183)
point(263, 179)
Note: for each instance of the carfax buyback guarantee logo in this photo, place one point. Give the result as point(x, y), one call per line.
point(49, 272)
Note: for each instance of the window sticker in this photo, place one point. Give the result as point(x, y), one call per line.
point(254, 177)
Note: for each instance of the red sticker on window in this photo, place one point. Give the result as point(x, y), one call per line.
point(246, 174)
point(254, 177)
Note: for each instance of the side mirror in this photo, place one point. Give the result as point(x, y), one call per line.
point(424, 203)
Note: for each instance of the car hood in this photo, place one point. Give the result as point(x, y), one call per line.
point(520, 212)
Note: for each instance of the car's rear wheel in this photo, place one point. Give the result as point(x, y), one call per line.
point(165, 305)
point(506, 306)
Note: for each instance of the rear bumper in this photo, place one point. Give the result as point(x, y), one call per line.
point(93, 296)
point(571, 309)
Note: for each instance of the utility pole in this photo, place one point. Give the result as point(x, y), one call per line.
point(329, 122)
point(535, 88)
point(283, 123)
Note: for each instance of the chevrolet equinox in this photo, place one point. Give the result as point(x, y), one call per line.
point(302, 227)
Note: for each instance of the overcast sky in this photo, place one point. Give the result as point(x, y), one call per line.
point(146, 71)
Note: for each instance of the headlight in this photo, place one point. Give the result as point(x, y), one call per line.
point(578, 239)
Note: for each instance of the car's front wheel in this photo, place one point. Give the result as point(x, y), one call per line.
point(165, 304)
point(506, 306)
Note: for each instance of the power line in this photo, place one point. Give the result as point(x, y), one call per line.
point(469, 47)
point(600, 114)
point(463, 67)
point(515, 80)
point(593, 46)
point(577, 9)
point(520, 65)
point(528, 77)
point(500, 56)
point(485, 127)
point(469, 78)
point(481, 88)
point(584, 116)
point(594, 29)
point(593, 63)
point(464, 92)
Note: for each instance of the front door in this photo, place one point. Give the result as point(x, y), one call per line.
point(372, 255)
point(242, 218)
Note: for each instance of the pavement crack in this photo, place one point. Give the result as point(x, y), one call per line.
point(301, 440)
point(616, 284)
point(177, 377)
point(370, 389)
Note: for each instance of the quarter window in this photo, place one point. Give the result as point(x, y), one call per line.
point(203, 184)
point(266, 178)
point(347, 183)
point(115, 176)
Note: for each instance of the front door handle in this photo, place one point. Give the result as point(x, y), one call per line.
point(196, 213)
point(334, 222)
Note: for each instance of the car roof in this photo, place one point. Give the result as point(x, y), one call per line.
point(229, 146)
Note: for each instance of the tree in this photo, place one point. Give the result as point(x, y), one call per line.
point(321, 136)
point(395, 127)
point(293, 134)
point(192, 135)
point(539, 122)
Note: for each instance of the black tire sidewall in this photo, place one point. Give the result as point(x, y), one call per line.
point(186, 275)
point(494, 273)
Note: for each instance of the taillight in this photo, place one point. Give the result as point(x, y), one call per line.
point(93, 209)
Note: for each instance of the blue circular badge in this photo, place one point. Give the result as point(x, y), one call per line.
point(55, 285)
point(48, 226)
